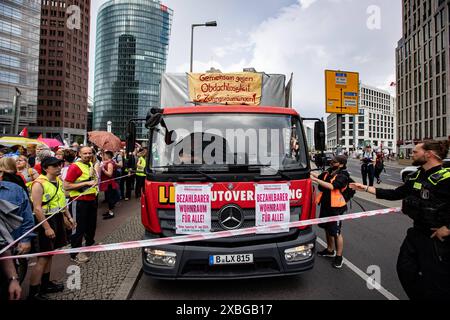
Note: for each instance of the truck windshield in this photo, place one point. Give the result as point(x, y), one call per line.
point(221, 142)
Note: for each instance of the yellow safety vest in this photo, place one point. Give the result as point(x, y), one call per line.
point(337, 199)
point(88, 174)
point(140, 170)
point(53, 198)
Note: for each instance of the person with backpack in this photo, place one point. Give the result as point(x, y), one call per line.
point(333, 197)
point(108, 185)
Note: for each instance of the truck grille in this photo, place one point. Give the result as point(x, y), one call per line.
point(167, 220)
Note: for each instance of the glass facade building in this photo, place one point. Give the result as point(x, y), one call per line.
point(19, 60)
point(131, 53)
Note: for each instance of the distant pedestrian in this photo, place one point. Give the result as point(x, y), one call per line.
point(367, 166)
point(379, 166)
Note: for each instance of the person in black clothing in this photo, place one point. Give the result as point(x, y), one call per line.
point(423, 265)
point(130, 170)
point(379, 166)
point(332, 203)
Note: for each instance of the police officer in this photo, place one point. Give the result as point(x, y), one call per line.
point(48, 198)
point(423, 264)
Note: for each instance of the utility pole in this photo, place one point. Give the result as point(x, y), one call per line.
point(16, 113)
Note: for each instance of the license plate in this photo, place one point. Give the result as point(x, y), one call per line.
point(231, 259)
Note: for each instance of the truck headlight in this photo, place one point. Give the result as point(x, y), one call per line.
point(299, 253)
point(160, 258)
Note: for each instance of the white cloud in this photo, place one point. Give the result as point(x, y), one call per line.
point(331, 34)
point(306, 3)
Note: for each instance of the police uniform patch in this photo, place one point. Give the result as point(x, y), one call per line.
point(425, 194)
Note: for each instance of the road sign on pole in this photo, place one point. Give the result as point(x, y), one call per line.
point(342, 92)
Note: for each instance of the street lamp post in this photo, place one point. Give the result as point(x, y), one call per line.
point(207, 24)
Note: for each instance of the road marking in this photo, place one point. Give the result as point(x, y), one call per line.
point(363, 275)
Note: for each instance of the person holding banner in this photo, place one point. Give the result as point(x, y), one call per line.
point(332, 203)
point(423, 265)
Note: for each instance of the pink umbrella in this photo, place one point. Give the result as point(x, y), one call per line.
point(52, 143)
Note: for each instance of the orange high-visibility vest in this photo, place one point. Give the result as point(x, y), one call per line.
point(337, 199)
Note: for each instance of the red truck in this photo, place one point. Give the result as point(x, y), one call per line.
point(233, 172)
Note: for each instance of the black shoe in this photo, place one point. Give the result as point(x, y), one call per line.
point(106, 214)
point(52, 287)
point(38, 297)
point(109, 216)
point(338, 262)
point(326, 253)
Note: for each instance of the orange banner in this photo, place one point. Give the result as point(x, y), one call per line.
point(226, 88)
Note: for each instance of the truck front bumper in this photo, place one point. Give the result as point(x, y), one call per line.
point(192, 260)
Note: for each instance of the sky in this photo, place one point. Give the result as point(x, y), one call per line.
point(303, 37)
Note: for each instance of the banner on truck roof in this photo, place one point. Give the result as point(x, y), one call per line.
point(243, 88)
point(192, 208)
point(272, 205)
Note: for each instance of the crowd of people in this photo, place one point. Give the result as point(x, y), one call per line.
point(59, 191)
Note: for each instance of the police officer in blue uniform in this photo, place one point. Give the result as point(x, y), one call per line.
point(423, 264)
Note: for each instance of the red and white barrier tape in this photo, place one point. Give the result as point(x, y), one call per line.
point(208, 236)
point(56, 212)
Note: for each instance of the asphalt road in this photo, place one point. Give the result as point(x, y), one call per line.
point(391, 176)
point(369, 242)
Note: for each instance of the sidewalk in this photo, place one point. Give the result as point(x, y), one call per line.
point(108, 275)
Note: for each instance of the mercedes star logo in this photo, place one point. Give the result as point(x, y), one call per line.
point(231, 217)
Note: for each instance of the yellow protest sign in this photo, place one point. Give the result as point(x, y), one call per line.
point(241, 88)
point(342, 92)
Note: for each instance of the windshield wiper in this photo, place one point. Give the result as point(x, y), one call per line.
point(191, 170)
point(276, 172)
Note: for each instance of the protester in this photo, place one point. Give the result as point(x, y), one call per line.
point(10, 288)
point(69, 157)
point(367, 166)
point(423, 265)
point(59, 154)
point(81, 182)
point(9, 169)
point(48, 198)
point(15, 195)
point(120, 161)
point(332, 203)
point(108, 185)
point(140, 172)
point(42, 152)
point(31, 153)
point(28, 174)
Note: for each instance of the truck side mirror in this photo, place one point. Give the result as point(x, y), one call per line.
point(319, 135)
point(154, 118)
point(131, 137)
